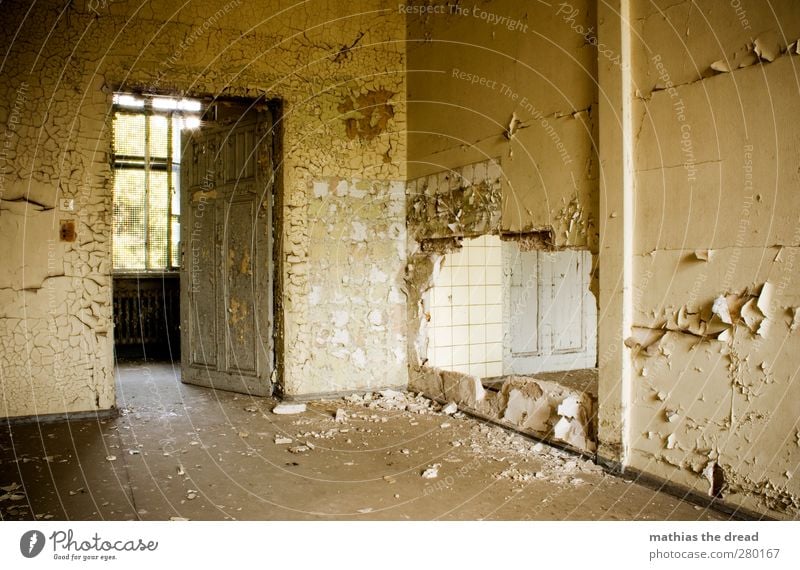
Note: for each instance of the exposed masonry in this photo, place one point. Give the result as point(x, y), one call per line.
point(55, 324)
point(544, 409)
point(464, 202)
point(443, 209)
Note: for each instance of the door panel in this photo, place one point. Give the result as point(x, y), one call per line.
point(227, 265)
point(553, 314)
point(240, 301)
point(201, 344)
point(562, 295)
point(524, 304)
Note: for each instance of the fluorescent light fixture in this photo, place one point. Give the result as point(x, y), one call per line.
point(124, 100)
point(164, 103)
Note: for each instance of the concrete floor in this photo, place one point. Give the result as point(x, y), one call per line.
point(184, 451)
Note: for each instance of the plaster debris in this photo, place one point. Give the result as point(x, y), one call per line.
point(111, 458)
point(299, 449)
point(281, 440)
point(645, 338)
point(751, 314)
point(289, 409)
point(431, 472)
point(765, 299)
point(795, 324)
point(703, 254)
point(725, 336)
point(514, 124)
point(450, 409)
point(720, 309)
point(767, 46)
point(341, 416)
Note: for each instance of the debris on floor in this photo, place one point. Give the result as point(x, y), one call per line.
point(431, 472)
point(450, 409)
point(289, 409)
point(443, 464)
point(542, 408)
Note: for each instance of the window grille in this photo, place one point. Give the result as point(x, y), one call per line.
point(147, 137)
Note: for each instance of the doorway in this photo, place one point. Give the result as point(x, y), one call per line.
point(146, 223)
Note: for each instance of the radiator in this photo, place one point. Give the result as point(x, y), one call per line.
point(146, 311)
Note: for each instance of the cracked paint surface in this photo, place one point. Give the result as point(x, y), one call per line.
point(55, 303)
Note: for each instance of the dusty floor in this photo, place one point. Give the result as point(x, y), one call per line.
point(184, 451)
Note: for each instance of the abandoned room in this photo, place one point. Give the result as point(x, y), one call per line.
point(373, 260)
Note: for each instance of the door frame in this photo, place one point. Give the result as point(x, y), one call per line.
point(274, 381)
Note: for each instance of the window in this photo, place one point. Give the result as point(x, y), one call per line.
point(147, 144)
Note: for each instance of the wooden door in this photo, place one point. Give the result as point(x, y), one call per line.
point(227, 187)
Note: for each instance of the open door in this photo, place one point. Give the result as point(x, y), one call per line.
point(228, 180)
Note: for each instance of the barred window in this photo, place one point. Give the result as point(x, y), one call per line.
point(147, 146)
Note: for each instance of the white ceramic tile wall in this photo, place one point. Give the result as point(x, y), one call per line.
point(465, 333)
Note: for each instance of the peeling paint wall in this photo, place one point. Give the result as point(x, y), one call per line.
point(357, 308)
point(514, 80)
point(55, 98)
point(716, 214)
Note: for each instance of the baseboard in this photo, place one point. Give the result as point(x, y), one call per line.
point(681, 492)
point(62, 417)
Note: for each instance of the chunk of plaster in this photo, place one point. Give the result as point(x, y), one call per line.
point(703, 254)
point(765, 298)
point(513, 125)
point(752, 315)
point(569, 408)
point(286, 409)
point(644, 337)
point(795, 319)
point(720, 308)
point(721, 65)
point(767, 46)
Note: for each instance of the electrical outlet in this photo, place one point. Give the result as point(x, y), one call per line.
point(67, 205)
